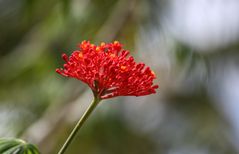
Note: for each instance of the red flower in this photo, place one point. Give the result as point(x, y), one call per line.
point(109, 71)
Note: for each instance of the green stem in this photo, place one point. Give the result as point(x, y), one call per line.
point(79, 124)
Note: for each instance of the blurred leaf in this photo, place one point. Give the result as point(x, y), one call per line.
point(183, 53)
point(66, 6)
point(17, 146)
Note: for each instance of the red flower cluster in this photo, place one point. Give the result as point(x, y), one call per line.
point(109, 71)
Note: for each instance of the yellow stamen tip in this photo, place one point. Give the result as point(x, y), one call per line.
point(112, 55)
point(80, 55)
point(116, 42)
point(152, 72)
point(123, 68)
point(102, 44)
point(97, 49)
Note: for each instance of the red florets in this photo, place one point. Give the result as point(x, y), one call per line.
point(109, 71)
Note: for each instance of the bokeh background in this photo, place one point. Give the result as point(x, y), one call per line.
point(192, 46)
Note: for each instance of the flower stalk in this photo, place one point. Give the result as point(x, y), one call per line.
point(79, 124)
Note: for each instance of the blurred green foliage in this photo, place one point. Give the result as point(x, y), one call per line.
point(16, 146)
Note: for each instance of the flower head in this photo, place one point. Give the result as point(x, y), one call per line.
point(109, 70)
